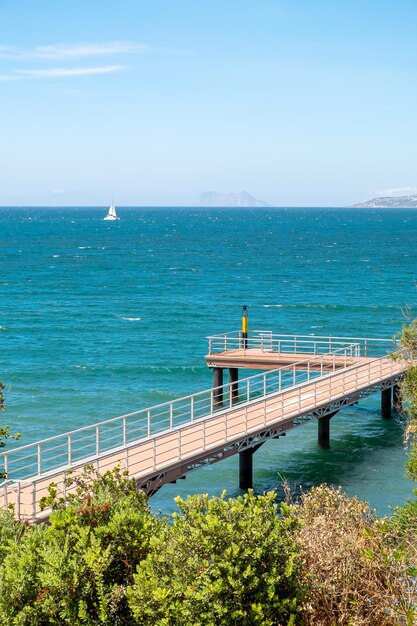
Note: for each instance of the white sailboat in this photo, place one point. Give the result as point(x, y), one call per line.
point(111, 213)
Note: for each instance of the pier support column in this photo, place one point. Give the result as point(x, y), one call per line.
point(234, 384)
point(397, 397)
point(246, 467)
point(323, 428)
point(386, 403)
point(217, 386)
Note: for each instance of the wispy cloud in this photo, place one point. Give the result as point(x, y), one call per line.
point(398, 190)
point(72, 51)
point(60, 72)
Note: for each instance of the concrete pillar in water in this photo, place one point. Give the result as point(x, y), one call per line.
point(323, 428)
point(234, 383)
point(217, 385)
point(386, 403)
point(246, 467)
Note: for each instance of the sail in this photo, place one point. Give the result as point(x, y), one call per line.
point(111, 213)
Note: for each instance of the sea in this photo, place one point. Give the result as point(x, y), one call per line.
point(98, 319)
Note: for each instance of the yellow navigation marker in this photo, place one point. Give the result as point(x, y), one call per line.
point(245, 326)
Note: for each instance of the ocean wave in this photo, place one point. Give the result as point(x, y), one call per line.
point(335, 307)
point(131, 319)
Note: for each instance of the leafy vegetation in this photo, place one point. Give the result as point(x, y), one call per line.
point(221, 562)
point(76, 570)
point(4, 430)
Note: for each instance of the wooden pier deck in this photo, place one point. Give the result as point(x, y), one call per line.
point(258, 359)
point(161, 444)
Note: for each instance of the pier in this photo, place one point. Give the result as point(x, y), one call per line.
point(298, 378)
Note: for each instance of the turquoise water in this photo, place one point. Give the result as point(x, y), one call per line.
point(98, 319)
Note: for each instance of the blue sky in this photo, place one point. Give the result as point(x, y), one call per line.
point(298, 102)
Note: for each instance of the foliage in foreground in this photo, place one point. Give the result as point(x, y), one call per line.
point(105, 560)
point(221, 562)
point(76, 570)
point(216, 562)
point(408, 393)
point(354, 569)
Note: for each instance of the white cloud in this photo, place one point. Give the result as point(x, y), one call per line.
point(398, 190)
point(61, 72)
point(71, 51)
point(4, 77)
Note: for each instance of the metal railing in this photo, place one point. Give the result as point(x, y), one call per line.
point(267, 341)
point(78, 446)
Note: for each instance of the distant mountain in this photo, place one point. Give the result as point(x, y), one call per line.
point(242, 199)
point(402, 202)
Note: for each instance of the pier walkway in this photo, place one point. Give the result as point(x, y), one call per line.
point(304, 378)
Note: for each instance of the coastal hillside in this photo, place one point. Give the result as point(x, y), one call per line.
point(242, 199)
point(403, 202)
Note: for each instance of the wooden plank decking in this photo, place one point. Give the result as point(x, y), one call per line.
point(256, 358)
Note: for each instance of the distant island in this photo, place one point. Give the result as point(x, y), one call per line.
point(402, 202)
point(242, 199)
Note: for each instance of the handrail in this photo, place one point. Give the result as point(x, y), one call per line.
point(268, 341)
point(71, 448)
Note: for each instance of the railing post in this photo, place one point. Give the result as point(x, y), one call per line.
point(5, 495)
point(34, 499)
point(192, 408)
point(149, 422)
point(210, 344)
point(69, 449)
point(247, 390)
point(97, 440)
point(18, 500)
point(279, 380)
point(6, 465)
point(308, 370)
point(171, 416)
point(124, 431)
point(39, 459)
point(294, 375)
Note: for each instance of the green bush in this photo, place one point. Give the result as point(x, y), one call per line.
point(220, 562)
point(76, 570)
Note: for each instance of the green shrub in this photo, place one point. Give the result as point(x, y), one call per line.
point(220, 562)
point(76, 570)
